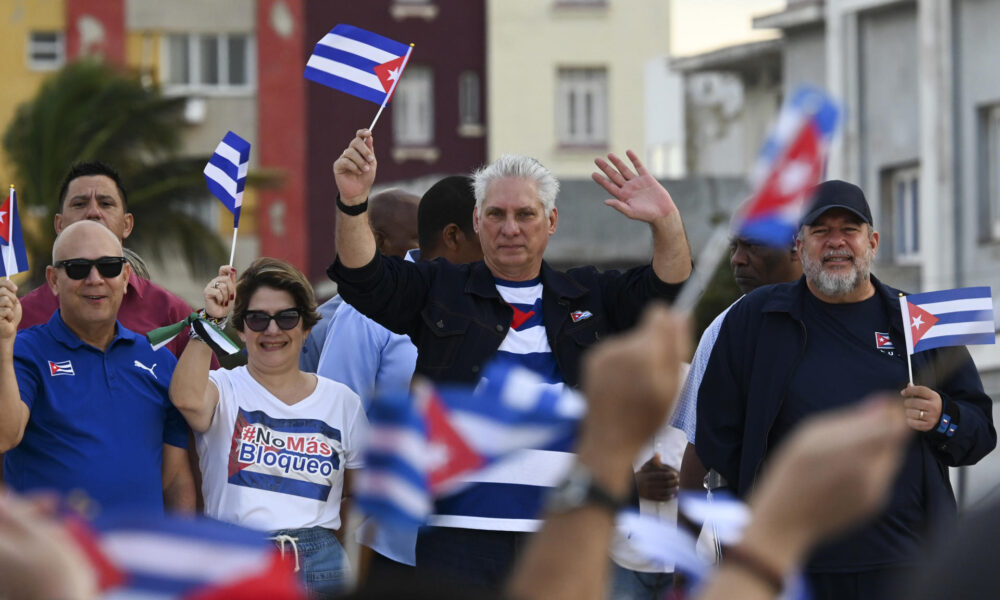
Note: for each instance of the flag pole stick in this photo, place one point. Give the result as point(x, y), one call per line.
point(906, 333)
point(10, 233)
point(232, 251)
point(709, 257)
point(909, 367)
point(392, 88)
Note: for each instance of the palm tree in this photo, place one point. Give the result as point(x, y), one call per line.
point(90, 110)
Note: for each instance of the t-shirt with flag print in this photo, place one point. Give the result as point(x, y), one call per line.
point(269, 465)
point(526, 342)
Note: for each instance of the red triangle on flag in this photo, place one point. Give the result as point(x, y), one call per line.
point(235, 466)
point(5, 218)
point(793, 175)
point(449, 449)
point(920, 321)
point(388, 72)
point(520, 317)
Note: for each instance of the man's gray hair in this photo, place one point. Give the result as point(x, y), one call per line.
point(515, 166)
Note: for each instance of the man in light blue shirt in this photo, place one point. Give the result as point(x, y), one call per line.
point(367, 357)
point(393, 219)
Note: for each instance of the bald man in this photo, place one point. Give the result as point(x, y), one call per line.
point(393, 221)
point(84, 401)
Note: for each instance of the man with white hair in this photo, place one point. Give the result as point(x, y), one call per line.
point(512, 304)
point(792, 350)
point(83, 400)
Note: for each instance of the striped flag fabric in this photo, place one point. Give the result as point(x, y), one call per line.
point(207, 331)
point(359, 62)
point(166, 557)
point(12, 250)
point(790, 163)
point(226, 172)
point(421, 447)
point(958, 317)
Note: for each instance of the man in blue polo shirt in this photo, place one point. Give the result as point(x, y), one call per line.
point(83, 400)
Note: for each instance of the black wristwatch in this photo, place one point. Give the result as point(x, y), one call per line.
point(354, 210)
point(580, 489)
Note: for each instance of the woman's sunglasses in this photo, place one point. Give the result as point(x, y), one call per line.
point(258, 320)
point(79, 268)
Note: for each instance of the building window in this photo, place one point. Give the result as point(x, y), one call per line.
point(582, 107)
point(904, 207)
point(208, 63)
point(991, 170)
point(470, 120)
point(46, 50)
point(413, 107)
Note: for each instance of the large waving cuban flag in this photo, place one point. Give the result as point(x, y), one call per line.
point(958, 317)
point(422, 446)
point(226, 172)
point(789, 165)
point(359, 62)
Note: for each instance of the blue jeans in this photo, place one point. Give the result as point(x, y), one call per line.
point(627, 584)
point(322, 561)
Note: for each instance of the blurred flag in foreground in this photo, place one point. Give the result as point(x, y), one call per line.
point(359, 62)
point(12, 251)
point(958, 317)
point(165, 557)
point(790, 163)
point(226, 172)
point(421, 446)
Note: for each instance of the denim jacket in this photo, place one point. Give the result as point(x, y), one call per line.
point(457, 320)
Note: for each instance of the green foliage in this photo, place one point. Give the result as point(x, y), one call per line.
point(721, 292)
point(90, 110)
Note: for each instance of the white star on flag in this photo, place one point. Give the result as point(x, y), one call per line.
point(918, 321)
point(3, 213)
point(794, 176)
point(394, 75)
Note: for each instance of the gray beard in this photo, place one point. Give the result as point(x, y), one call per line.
point(837, 285)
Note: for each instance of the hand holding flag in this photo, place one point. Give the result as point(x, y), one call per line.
point(958, 317)
point(359, 62)
point(12, 251)
point(226, 176)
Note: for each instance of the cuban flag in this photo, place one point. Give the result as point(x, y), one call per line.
point(359, 62)
point(141, 555)
point(789, 165)
point(958, 317)
point(12, 250)
point(226, 172)
point(421, 447)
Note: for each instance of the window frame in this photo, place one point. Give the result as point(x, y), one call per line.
point(571, 124)
point(904, 213)
point(58, 47)
point(403, 110)
point(194, 85)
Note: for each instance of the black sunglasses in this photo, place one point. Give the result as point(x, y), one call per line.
point(79, 268)
point(258, 320)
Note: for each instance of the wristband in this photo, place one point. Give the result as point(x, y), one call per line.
point(353, 211)
point(220, 323)
point(738, 556)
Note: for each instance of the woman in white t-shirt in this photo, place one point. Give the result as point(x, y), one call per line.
point(276, 445)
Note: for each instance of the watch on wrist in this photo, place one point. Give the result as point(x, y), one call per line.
point(580, 489)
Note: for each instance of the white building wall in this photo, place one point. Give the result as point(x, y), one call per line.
point(529, 40)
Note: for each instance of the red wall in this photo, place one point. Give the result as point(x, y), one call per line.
point(282, 134)
point(110, 14)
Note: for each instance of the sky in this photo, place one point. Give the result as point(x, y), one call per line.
point(702, 25)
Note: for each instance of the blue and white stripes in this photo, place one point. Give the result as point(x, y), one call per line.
point(226, 172)
point(359, 62)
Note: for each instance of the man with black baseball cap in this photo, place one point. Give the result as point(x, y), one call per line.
point(788, 351)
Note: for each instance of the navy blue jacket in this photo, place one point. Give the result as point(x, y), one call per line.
point(457, 320)
point(755, 357)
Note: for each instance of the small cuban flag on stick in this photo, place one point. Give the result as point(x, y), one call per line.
point(12, 250)
point(959, 317)
point(359, 62)
point(226, 176)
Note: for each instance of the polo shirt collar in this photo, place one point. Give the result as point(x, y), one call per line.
point(65, 336)
point(137, 285)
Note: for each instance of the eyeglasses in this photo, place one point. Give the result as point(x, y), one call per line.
point(79, 268)
point(258, 320)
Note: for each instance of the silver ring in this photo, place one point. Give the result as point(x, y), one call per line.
point(216, 285)
point(922, 415)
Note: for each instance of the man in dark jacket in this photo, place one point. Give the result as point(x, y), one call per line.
point(791, 350)
point(510, 304)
